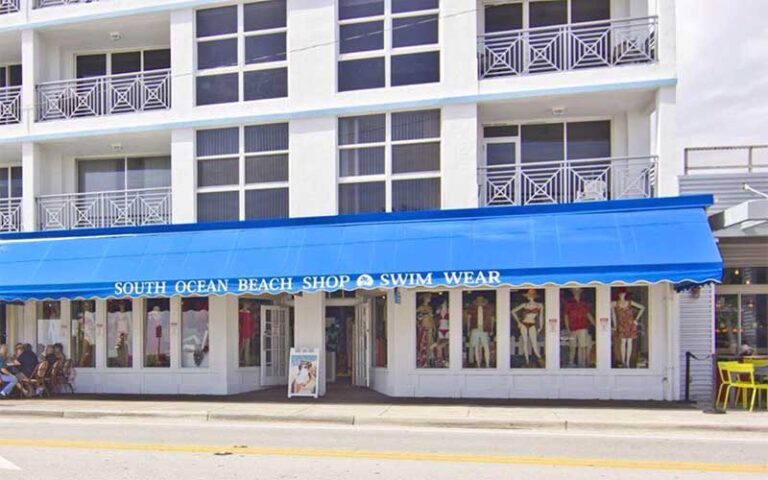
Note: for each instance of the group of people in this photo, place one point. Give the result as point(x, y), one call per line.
point(18, 368)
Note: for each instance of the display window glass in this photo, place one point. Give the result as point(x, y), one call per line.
point(432, 330)
point(577, 330)
point(741, 324)
point(119, 333)
point(83, 331)
point(157, 333)
point(50, 329)
point(249, 332)
point(194, 332)
point(527, 341)
point(479, 335)
point(629, 327)
point(380, 331)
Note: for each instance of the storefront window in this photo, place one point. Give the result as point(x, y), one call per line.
point(754, 322)
point(119, 338)
point(629, 327)
point(745, 276)
point(249, 333)
point(83, 333)
point(380, 331)
point(479, 319)
point(741, 322)
point(157, 333)
point(577, 330)
point(50, 330)
point(527, 342)
point(194, 332)
point(432, 330)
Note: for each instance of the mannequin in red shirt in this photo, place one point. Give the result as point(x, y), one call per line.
point(578, 317)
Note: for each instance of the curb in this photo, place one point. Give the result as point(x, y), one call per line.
point(352, 420)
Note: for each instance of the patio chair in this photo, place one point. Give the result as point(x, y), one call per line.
point(741, 376)
point(66, 376)
point(724, 381)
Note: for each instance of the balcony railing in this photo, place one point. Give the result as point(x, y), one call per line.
point(568, 181)
point(54, 3)
point(10, 214)
point(120, 208)
point(607, 43)
point(9, 6)
point(108, 95)
point(10, 105)
point(726, 159)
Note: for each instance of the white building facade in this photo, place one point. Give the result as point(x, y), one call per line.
point(140, 113)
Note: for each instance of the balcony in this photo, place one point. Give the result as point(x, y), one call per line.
point(9, 6)
point(106, 95)
point(10, 214)
point(10, 105)
point(120, 208)
point(56, 3)
point(567, 181)
point(607, 43)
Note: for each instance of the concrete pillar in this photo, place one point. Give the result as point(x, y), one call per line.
point(31, 166)
point(183, 60)
point(670, 160)
point(458, 31)
point(312, 167)
point(30, 61)
point(183, 175)
point(459, 153)
point(552, 328)
point(503, 329)
point(309, 327)
point(311, 36)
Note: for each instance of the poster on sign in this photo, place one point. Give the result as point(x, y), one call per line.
point(303, 371)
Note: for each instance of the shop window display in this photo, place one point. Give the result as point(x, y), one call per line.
point(50, 330)
point(119, 338)
point(194, 332)
point(432, 330)
point(479, 319)
point(629, 327)
point(577, 331)
point(83, 349)
point(157, 333)
point(527, 342)
point(249, 333)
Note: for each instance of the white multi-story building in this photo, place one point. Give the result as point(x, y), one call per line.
point(156, 147)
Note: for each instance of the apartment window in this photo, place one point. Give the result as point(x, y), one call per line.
point(389, 162)
point(517, 15)
point(133, 173)
point(10, 76)
point(116, 63)
point(242, 52)
point(10, 182)
point(242, 173)
point(388, 43)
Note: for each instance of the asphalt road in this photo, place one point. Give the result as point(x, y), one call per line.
point(139, 449)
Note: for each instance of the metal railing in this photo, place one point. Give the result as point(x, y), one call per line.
point(107, 95)
point(119, 208)
point(726, 159)
point(55, 3)
point(10, 214)
point(10, 105)
point(568, 181)
point(606, 43)
point(9, 6)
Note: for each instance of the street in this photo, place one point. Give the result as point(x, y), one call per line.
point(133, 449)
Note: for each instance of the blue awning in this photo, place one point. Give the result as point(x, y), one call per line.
point(626, 241)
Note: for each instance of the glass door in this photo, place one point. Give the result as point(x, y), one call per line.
point(362, 357)
point(500, 178)
point(275, 345)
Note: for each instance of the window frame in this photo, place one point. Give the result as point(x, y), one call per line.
point(9, 171)
point(125, 160)
point(526, 12)
point(242, 187)
point(242, 67)
point(388, 177)
point(108, 54)
point(388, 50)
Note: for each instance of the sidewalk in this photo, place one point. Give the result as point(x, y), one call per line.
point(368, 408)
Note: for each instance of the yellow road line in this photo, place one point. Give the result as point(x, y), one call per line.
point(399, 456)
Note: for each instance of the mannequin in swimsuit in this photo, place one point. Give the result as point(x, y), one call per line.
point(443, 329)
point(426, 331)
point(625, 315)
point(530, 326)
point(578, 317)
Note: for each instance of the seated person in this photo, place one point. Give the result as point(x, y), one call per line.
point(9, 380)
point(27, 360)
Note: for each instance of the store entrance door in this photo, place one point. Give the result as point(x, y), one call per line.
point(361, 348)
point(347, 341)
point(275, 344)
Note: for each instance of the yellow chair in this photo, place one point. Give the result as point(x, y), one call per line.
point(741, 376)
point(724, 380)
point(757, 362)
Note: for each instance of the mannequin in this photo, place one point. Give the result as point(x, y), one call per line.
point(443, 330)
point(86, 323)
point(426, 329)
point(530, 325)
point(626, 315)
point(122, 320)
point(155, 329)
point(480, 318)
point(245, 335)
point(578, 317)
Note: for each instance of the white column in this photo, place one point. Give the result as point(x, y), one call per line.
point(31, 166)
point(312, 61)
point(552, 328)
point(603, 328)
point(312, 167)
point(458, 29)
point(101, 333)
point(31, 60)
point(670, 158)
point(175, 337)
point(456, 334)
point(137, 332)
point(503, 330)
point(183, 60)
point(667, 44)
point(183, 175)
point(459, 156)
point(309, 327)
